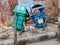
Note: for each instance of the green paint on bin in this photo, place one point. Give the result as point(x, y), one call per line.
point(20, 17)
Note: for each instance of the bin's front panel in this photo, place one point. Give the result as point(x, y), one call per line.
point(18, 26)
point(39, 19)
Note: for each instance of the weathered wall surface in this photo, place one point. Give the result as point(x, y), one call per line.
point(6, 10)
point(51, 9)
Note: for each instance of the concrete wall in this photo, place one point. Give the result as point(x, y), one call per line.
point(51, 9)
point(6, 10)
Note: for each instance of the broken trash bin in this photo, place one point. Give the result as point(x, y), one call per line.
point(38, 15)
point(20, 17)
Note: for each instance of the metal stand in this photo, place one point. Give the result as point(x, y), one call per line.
point(15, 33)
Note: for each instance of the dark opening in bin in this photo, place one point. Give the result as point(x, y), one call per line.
point(38, 6)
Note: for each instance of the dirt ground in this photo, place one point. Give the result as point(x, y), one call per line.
point(51, 27)
point(47, 42)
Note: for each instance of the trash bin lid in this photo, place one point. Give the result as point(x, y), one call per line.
point(37, 6)
point(20, 9)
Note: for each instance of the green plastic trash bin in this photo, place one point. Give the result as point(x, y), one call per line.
point(20, 17)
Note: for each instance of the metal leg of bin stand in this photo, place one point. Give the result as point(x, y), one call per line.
point(24, 24)
point(45, 24)
point(15, 33)
point(44, 28)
